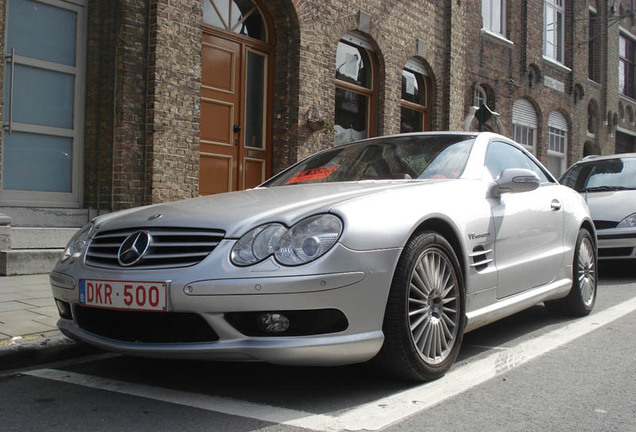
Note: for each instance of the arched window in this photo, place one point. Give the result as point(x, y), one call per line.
point(481, 97)
point(238, 16)
point(414, 101)
point(557, 143)
point(355, 90)
point(524, 124)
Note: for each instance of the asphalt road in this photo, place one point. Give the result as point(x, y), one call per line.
point(529, 372)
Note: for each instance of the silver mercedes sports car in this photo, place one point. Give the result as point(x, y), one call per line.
point(387, 249)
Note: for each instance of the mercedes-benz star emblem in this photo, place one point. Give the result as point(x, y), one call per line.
point(133, 249)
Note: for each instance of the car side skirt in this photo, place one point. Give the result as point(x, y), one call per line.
point(516, 303)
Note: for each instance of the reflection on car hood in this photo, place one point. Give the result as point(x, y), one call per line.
point(237, 212)
point(611, 206)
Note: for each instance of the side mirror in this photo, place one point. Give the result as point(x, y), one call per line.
point(515, 180)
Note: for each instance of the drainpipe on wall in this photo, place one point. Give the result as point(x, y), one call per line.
point(115, 77)
point(148, 125)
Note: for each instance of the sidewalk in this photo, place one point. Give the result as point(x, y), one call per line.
point(28, 316)
point(27, 309)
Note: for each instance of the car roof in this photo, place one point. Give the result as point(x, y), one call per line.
point(594, 158)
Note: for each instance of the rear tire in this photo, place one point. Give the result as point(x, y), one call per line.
point(580, 301)
point(424, 319)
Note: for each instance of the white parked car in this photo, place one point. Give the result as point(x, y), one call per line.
point(387, 249)
point(608, 184)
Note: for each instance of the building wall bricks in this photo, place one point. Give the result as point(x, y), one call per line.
point(143, 80)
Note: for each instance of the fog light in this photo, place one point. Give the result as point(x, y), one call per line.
point(64, 309)
point(272, 322)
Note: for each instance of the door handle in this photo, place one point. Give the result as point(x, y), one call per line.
point(555, 205)
point(236, 130)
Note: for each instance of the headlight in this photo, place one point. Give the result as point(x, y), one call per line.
point(628, 222)
point(257, 244)
point(309, 239)
point(78, 243)
point(306, 241)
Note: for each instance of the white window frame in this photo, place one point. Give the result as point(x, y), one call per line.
point(557, 141)
point(493, 14)
point(524, 125)
point(481, 97)
point(554, 30)
point(526, 136)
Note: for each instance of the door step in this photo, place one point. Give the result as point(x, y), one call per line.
point(28, 261)
point(33, 239)
point(40, 238)
point(46, 217)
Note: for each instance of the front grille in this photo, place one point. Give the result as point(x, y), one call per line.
point(145, 327)
point(615, 252)
point(600, 224)
point(169, 247)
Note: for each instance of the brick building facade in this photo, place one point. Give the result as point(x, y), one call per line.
point(140, 85)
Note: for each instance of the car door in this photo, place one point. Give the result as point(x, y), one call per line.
point(528, 225)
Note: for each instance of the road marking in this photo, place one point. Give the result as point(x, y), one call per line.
point(196, 400)
point(372, 416)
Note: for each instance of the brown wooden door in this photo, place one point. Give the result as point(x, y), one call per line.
point(233, 149)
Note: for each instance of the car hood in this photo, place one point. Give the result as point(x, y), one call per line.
point(611, 206)
point(237, 212)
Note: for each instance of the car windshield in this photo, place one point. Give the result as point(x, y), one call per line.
point(407, 157)
point(602, 175)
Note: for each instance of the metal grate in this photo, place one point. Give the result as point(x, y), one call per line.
point(145, 327)
point(615, 252)
point(481, 258)
point(169, 247)
point(599, 224)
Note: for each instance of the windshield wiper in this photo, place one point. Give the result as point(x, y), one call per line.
point(606, 188)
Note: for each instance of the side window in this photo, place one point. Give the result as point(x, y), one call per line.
point(501, 156)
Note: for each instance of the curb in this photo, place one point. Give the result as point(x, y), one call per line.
point(40, 348)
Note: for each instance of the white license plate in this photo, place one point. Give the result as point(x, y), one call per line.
point(129, 295)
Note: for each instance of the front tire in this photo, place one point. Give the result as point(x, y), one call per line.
point(424, 319)
point(580, 301)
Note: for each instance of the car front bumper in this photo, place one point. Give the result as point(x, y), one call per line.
point(355, 283)
point(617, 243)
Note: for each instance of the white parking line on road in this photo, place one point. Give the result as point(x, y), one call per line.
point(380, 413)
point(195, 400)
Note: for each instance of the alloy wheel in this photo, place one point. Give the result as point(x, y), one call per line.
point(433, 306)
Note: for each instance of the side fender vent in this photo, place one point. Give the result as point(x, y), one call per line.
point(480, 258)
